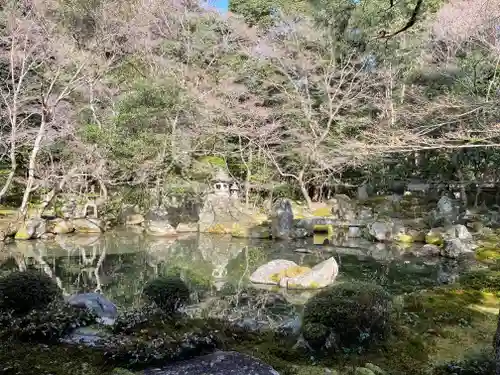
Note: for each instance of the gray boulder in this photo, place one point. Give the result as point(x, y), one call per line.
point(427, 250)
point(282, 219)
point(455, 247)
point(219, 363)
point(88, 225)
point(448, 272)
point(459, 231)
point(343, 208)
point(363, 192)
point(98, 304)
point(384, 230)
point(448, 212)
point(158, 223)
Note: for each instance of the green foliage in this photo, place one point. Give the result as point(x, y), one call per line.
point(215, 161)
point(79, 17)
point(357, 314)
point(45, 324)
point(162, 340)
point(28, 290)
point(265, 13)
point(134, 320)
point(483, 280)
point(169, 293)
point(477, 364)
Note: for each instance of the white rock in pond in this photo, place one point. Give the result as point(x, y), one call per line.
point(320, 276)
point(262, 275)
point(459, 231)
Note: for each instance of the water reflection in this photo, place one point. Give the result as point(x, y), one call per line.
point(120, 263)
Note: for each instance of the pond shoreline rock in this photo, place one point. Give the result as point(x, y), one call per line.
point(282, 220)
point(105, 310)
point(157, 223)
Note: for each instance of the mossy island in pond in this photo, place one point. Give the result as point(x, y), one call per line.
point(169, 293)
point(25, 291)
point(351, 315)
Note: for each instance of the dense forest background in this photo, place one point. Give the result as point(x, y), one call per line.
point(141, 99)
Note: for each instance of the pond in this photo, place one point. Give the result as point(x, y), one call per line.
point(442, 318)
point(119, 263)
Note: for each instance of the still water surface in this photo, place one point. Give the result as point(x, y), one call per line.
point(119, 263)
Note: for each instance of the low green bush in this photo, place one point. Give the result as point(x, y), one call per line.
point(485, 280)
point(347, 316)
point(168, 293)
point(133, 320)
point(476, 364)
point(50, 323)
point(22, 292)
point(159, 348)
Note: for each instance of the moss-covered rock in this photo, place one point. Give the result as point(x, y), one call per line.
point(60, 226)
point(322, 212)
point(169, 293)
point(404, 238)
point(417, 235)
point(323, 228)
point(435, 237)
point(250, 231)
point(23, 233)
point(357, 314)
point(488, 254)
point(25, 291)
point(292, 271)
point(219, 229)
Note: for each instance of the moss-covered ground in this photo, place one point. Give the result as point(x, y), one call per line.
point(434, 326)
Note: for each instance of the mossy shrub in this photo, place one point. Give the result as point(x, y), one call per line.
point(45, 324)
point(357, 314)
point(475, 364)
point(22, 292)
point(159, 347)
point(169, 293)
point(136, 319)
point(484, 280)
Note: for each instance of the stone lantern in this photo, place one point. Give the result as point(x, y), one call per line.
point(234, 189)
point(221, 182)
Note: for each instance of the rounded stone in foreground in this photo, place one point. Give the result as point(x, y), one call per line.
point(219, 363)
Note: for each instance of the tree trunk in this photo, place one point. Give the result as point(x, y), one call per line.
point(12, 153)
point(7, 184)
point(51, 195)
point(463, 192)
point(32, 163)
point(303, 189)
point(497, 348)
point(248, 177)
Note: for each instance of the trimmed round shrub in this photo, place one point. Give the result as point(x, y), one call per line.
point(347, 316)
point(168, 293)
point(24, 291)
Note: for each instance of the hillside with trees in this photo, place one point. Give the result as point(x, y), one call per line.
point(138, 98)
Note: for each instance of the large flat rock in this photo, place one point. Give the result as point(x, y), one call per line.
point(219, 363)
